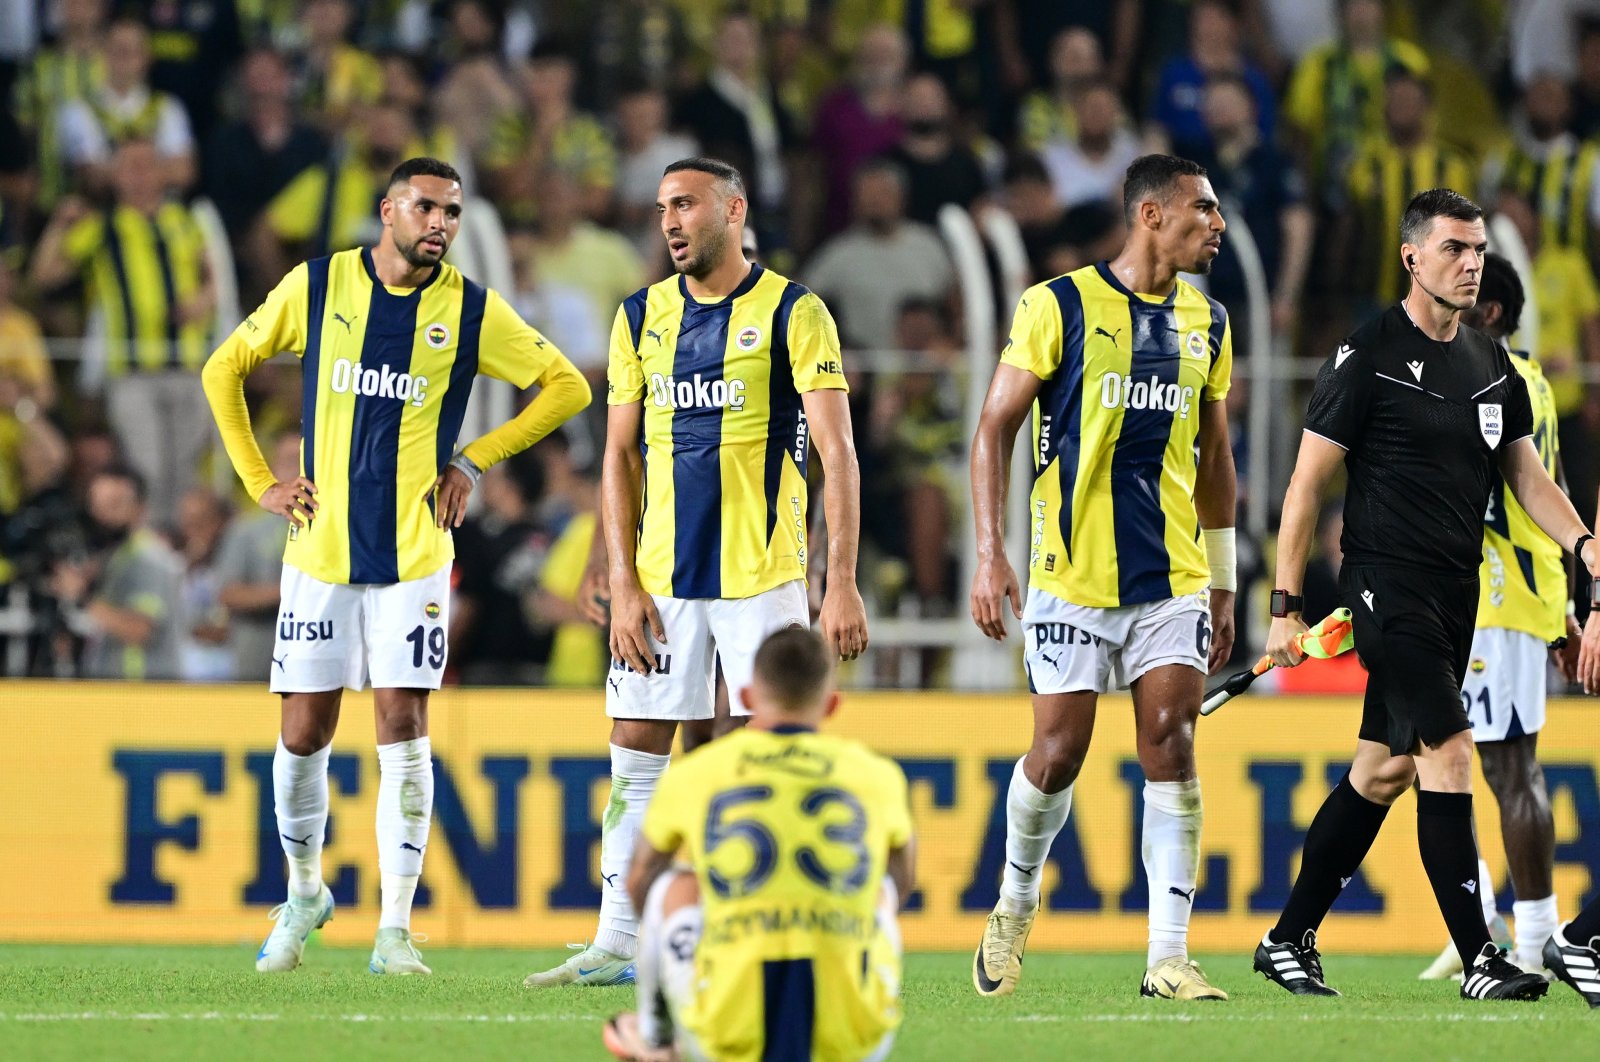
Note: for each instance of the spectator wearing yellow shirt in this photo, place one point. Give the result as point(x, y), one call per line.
point(1335, 98)
point(1554, 171)
point(547, 131)
point(1050, 114)
point(150, 293)
point(333, 206)
point(33, 454)
point(334, 76)
point(71, 69)
point(1567, 301)
point(1385, 173)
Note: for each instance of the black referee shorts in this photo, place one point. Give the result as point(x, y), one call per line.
point(1414, 634)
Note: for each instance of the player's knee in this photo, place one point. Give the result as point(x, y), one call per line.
point(682, 890)
point(1166, 739)
point(1385, 781)
point(1057, 759)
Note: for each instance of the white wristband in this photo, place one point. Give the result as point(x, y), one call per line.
point(1222, 556)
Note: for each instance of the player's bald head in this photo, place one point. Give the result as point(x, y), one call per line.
point(793, 671)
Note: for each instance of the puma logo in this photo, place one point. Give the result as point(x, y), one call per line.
point(615, 684)
point(1109, 335)
point(1053, 661)
point(279, 660)
point(407, 845)
point(303, 842)
point(610, 880)
point(348, 324)
point(1187, 896)
point(1024, 870)
point(660, 337)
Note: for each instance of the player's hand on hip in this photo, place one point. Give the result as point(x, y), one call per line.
point(594, 596)
point(993, 586)
point(1221, 629)
point(632, 610)
point(451, 492)
point(844, 620)
point(1280, 641)
point(1589, 655)
point(295, 500)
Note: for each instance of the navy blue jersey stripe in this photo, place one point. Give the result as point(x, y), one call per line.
point(633, 308)
point(119, 266)
point(1219, 328)
point(698, 362)
point(789, 1010)
point(1144, 568)
point(465, 369)
point(375, 437)
point(1061, 400)
point(786, 422)
point(311, 363)
point(169, 288)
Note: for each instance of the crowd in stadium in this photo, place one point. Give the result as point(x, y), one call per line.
point(854, 123)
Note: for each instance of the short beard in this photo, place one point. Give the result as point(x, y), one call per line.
point(1203, 267)
point(710, 256)
point(419, 259)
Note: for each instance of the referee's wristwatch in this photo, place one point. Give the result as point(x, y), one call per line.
point(1284, 603)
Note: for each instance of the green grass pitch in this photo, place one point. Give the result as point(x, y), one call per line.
point(89, 1002)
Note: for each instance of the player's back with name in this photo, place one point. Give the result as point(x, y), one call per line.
point(1424, 424)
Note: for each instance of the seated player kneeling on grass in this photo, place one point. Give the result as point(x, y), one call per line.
point(782, 926)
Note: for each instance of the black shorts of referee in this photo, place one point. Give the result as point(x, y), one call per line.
point(1414, 635)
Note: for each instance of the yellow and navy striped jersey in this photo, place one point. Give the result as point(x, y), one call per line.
point(725, 436)
point(386, 377)
point(1559, 186)
point(1382, 180)
point(789, 834)
point(1522, 585)
point(54, 78)
point(141, 269)
point(1112, 520)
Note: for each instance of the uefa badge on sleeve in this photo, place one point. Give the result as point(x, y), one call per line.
point(1489, 423)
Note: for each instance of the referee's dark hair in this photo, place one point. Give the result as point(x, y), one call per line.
point(794, 668)
point(423, 166)
point(1153, 177)
point(1499, 283)
point(1425, 207)
point(728, 176)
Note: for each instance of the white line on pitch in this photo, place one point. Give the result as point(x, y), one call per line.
point(516, 1019)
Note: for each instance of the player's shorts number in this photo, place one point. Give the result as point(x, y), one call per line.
point(850, 834)
point(1202, 634)
point(435, 645)
point(1483, 699)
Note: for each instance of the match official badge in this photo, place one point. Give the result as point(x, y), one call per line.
point(1489, 422)
point(748, 338)
point(1197, 345)
point(431, 610)
point(438, 336)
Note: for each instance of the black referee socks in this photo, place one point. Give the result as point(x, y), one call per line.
point(1450, 856)
point(1338, 840)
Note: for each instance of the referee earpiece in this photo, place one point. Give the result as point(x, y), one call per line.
point(1411, 260)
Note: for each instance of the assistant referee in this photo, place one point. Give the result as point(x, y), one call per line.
point(1422, 411)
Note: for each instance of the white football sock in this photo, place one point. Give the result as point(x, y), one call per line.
point(405, 813)
point(633, 783)
point(300, 799)
point(1172, 818)
point(1032, 821)
point(664, 968)
point(1486, 893)
point(1536, 920)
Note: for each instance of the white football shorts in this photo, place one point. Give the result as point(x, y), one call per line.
point(700, 632)
point(1074, 648)
point(329, 635)
point(1504, 689)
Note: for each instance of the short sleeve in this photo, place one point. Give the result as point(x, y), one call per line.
point(1036, 334)
point(84, 238)
point(1519, 407)
point(509, 348)
point(279, 323)
point(814, 355)
point(624, 370)
point(1338, 408)
point(897, 807)
point(1220, 378)
point(663, 827)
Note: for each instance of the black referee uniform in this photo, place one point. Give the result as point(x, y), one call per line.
point(1423, 424)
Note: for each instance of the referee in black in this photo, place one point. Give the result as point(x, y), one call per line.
point(1423, 412)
